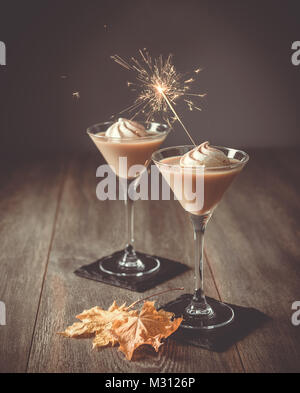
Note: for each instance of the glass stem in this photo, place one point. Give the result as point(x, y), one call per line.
point(130, 259)
point(199, 306)
point(129, 222)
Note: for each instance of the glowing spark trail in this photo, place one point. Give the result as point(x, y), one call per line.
point(158, 86)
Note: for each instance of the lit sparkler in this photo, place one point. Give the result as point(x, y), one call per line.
point(158, 86)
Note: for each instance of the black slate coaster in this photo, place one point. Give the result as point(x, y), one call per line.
point(168, 269)
point(246, 320)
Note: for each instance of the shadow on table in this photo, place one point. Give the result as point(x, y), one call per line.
point(168, 270)
point(246, 320)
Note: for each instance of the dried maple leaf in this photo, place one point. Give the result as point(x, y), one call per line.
point(130, 328)
point(147, 327)
point(97, 322)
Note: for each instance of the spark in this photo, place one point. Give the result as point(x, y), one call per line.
point(76, 95)
point(158, 87)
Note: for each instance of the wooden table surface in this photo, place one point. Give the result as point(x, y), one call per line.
point(52, 223)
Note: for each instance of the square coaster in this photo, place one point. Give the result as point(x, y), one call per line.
point(246, 320)
point(168, 270)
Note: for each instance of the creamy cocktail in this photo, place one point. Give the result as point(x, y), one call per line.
point(199, 177)
point(124, 145)
point(130, 140)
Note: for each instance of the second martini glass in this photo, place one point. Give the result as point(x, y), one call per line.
point(122, 154)
point(197, 311)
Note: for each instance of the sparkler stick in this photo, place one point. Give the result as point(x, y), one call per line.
point(177, 117)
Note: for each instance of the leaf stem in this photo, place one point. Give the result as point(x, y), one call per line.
point(155, 294)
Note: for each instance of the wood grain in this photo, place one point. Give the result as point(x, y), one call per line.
point(28, 202)
point(253, 248)
point(87, 229)
point(52, 223)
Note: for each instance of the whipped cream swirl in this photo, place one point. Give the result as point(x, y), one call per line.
point(124, 128)
point(204, 155)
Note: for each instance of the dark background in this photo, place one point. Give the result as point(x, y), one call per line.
point(244, 48)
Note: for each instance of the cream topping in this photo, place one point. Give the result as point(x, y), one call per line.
point(124, 128)
point(204, 155)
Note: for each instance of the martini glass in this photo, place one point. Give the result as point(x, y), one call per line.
point(199, 190)
point(122, 154)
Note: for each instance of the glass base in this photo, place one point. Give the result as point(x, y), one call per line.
point(219, 315)
point(128, 264)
